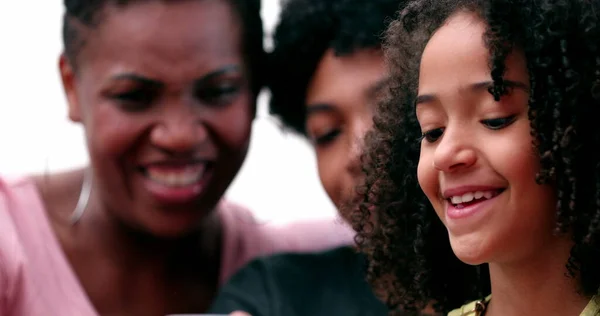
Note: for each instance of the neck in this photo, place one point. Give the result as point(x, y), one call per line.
point(536, 286)
point(98, 229)
point(130, 271)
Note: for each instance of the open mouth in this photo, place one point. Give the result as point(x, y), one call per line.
point(175, 176)
point(471, 198)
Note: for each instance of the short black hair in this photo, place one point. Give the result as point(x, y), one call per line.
point(80, 14)
point(408, 246)
point(306, 30)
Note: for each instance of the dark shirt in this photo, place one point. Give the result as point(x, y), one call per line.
point(327, 283)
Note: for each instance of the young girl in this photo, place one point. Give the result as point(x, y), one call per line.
point(482, 170)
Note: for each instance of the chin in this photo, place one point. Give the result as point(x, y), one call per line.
point(166, 231)
point(166, 227)
point(470, 249)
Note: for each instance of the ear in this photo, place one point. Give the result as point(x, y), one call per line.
point(67, 75)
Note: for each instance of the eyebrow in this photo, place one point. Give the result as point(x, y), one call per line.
point(371, 92)
point(138, 78)
point(148, 81)
point(219, 72)
point(312, 109)
point(476, 87)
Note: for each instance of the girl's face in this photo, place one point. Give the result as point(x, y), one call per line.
point(477, 165)
point(339, 103)
point(163, 94)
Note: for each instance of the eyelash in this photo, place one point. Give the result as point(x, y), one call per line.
point(430, 135)
point(213, 94)
point(218, 94)
point(135, 100)
point(327, 138)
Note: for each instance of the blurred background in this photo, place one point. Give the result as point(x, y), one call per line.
point(278, 182)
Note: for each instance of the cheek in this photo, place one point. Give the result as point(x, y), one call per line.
point(522, 174)
point(110, 132)
point(327, 176)
point(232, 126)
point(428, 179)
point(517, 161)
point(427, 175)
point(514, 157)
point(335, 176)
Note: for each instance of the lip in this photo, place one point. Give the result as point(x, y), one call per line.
point(173, 195)
point(454, 213)
point(477, 209)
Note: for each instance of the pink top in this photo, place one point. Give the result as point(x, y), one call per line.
point(36, 278)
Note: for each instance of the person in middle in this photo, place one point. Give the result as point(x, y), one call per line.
point(328, 72)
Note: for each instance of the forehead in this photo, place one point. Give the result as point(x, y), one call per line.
point(165, 37)
point(456, 52)
point(456, 56)
point(345, 76)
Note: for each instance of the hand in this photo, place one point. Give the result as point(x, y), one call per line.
point(239, 313)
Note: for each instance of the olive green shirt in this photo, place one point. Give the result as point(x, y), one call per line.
point(592, 308)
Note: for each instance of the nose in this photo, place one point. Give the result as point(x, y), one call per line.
point(179, 130)
point(455, 151)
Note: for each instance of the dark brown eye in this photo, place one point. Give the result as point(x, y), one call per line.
point(433, 135)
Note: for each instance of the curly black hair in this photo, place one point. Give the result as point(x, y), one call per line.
point(306, 30)
point(411, 262)
point(87, 14)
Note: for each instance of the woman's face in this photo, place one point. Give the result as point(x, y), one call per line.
point(339, 104)
point(477, 164)
point(163, 94)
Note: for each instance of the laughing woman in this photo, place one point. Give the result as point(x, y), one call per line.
point(166, 92)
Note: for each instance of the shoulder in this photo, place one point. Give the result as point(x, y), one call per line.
point(293, 267)
point(287, 271)
point(337, 273)
point(323, 262)
point(17, 197)
point(322, 283)
point(473, 308)
point(266, 283)
point(20, 206)
point(16, 191)
point(246, 238)
point(593, 307)
point(14, 197)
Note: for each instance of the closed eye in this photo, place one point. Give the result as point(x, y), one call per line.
point(219, 94)
point(498, 123)
point(432, 135)
point(327, 138)
point(136, 99)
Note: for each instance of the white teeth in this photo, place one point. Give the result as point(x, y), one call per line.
point(180, 178)
point(467, 197)
point(456, 200)
point(470, 196)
